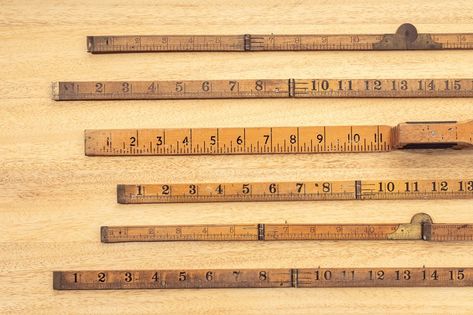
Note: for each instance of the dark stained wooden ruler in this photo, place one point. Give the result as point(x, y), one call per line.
point(261, 88)
point(405, 38)
point(421, 227)
point(263, 278)
point(281, 140)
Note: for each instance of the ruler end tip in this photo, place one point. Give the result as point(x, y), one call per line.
point(87, 150)
point(55, 91)
point(121, 194)
point(104, 234)
point(57, 280)
point(90, 44)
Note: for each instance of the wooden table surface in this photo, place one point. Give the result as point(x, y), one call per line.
point(53, 199)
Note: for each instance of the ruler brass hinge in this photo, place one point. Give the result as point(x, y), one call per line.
point(419, 228)
point(406, 37)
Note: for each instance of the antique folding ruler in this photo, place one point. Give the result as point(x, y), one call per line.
point(322, 139)
point(421, 227)
point(261, 88)
point(405, 38)
point(263, 278)
point(296, 191)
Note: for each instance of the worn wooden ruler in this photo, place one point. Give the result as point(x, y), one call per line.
point(322, 139)
point(405, 38)
point(421, 227)
point(296, 191)
point(263, 278)
point(261, 88)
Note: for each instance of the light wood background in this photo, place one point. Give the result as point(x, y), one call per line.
point(53, 199)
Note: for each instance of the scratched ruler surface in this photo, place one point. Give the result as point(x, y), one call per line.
point(322, 139)
point(296, 191)
point(261, 88)
point(263, 278)
point(421, 227)
point(405, 38)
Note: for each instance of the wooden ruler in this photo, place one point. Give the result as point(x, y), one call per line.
point(263, 278)
point(405, 38)
point(296, 191)
point(323, 139)
point(421, 227)
point(261, 88)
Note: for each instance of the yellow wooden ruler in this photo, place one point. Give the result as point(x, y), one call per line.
point(263, 278)
point(261, 88)
point(421, 227)
point(405, 38)
point(322, 139)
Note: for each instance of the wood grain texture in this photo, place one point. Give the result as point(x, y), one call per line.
point(53, 203)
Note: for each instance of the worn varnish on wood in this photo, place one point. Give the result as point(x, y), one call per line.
point(261, 88)
point(405, 38)
point(263, 278)
point(323, 139)
point(421, 227)
point(296, 191)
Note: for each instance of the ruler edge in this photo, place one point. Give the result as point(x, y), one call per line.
point(104, 235)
